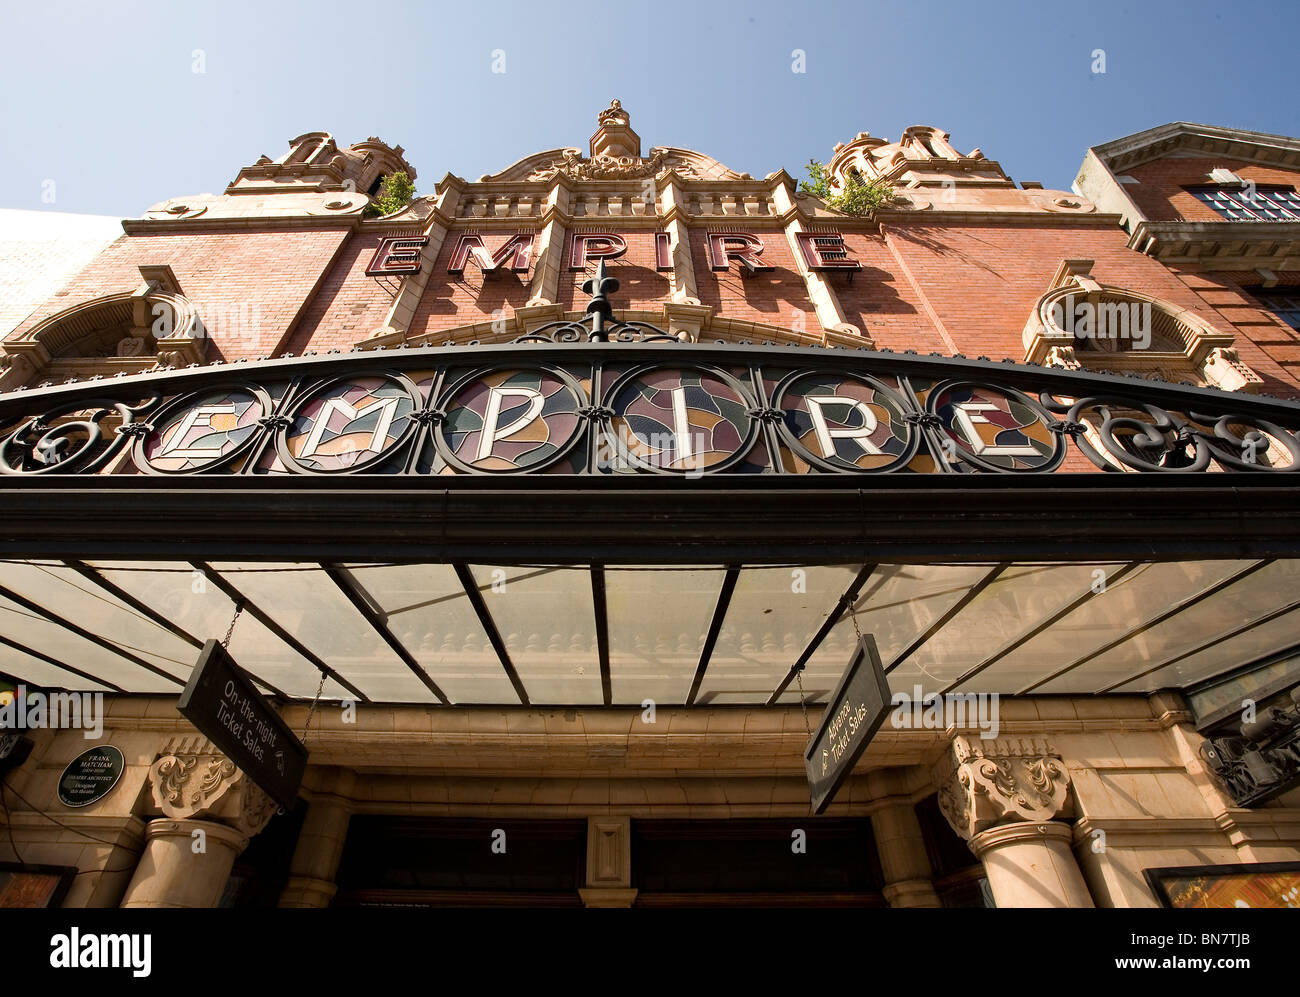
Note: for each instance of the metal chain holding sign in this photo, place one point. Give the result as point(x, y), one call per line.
point(311, 712)
point(798, 672)
point(225, 641)
point(803, 702)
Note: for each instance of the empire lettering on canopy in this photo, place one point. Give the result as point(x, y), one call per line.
point(658, 417)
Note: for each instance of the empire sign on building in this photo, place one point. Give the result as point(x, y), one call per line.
point(560, 516)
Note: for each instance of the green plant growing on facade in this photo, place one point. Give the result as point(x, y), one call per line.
point(395, 193)
point(858, 196)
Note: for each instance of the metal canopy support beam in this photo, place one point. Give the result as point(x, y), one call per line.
point(601, 613)
point(846, 602)
point(357, 595)
point(531, 519)
point(94, 577)
point(85, 634)
point(1290, 607)
point(9, 642)
point(715, 627)
point(490, 628)
point(452, 596)
point(971, 594)
point(1033, 632)
point(1182, 606)
point(257, 613)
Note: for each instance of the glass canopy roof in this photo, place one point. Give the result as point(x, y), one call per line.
point(582, 636)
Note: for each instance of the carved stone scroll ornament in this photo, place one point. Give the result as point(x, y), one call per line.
point(601, 167)
point(192, 780)
point(986, 783)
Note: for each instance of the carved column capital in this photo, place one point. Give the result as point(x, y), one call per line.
point(191, 779)
point(985, 783)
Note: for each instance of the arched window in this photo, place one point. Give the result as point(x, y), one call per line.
point(1082, 324)
point(129, 332)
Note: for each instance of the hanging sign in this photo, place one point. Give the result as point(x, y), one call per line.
point(222, 702)
point(853, 714)
point(91, 776)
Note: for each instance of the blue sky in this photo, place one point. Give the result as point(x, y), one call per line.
point(103, 100)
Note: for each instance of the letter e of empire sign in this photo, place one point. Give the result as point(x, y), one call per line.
point(397, 257)
point(853, 714)
point(222, 702)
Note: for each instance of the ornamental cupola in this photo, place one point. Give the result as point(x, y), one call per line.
point(315, 162)
point(922, 157)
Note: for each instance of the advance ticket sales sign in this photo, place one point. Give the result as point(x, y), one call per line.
point(853, 714)
point(222, 702)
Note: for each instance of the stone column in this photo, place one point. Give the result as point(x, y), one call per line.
point(1003, 796)
point(1031, 865)
point(609, 863)
point(903, 858)
point(210, 810)
point(186, 863)
point(320, 845)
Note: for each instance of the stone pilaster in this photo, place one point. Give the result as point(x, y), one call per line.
point(548, 258)
point(1003, 796)
point(609, 863)
point(210, 810)
point(320, 844)
point(830, 316)
point(402, 310)
point(909, 878)
point(679, 238)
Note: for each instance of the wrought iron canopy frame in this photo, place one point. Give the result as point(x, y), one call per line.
point(831, 515)
point(1187, 429)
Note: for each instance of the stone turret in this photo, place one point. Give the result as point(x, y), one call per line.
point(614, 136)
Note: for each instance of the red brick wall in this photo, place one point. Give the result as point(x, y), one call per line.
point(1260, 333)
point(958, 286)
point(773, 297)
point(641, 286)
point(452, 300)
point(881, 299)
point(348, 306)
point(1161, 195)
point(258, 280)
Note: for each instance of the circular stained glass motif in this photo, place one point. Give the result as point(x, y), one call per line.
point(349, 424)
point(680, 420)
point(204, 432)
point(511, 420)
point(847, 423)
point(995, 429)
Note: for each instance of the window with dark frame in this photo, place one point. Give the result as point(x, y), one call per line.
point(1248, 203)
point(1284, 302)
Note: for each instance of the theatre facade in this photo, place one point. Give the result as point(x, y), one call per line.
point(547, 513)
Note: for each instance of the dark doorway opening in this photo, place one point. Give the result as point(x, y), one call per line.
point(795, 862)
point(452, 862)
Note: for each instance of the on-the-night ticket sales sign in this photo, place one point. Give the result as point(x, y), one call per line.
point(222, 702)
point(853, 714)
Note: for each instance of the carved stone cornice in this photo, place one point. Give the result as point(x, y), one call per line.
point(985, 783)
point(191, 779)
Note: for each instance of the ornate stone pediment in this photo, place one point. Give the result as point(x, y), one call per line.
point(614, 154)
point(543, 166)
